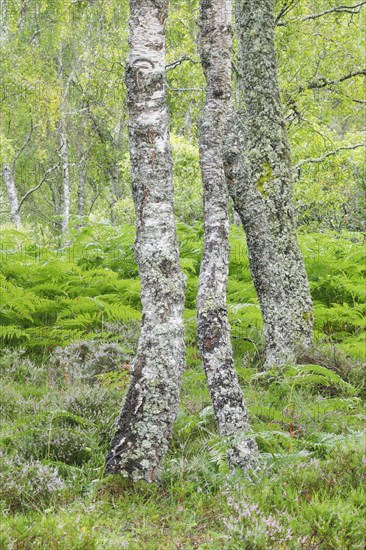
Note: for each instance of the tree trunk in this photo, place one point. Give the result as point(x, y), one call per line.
point(152, 400)
point(9, 180)
point(4, 21)
point(64, 154)
point(64, 149)
point(81, 191)
point(264, 262)
point(212, 318)
point(261, 187)
point(114, 175)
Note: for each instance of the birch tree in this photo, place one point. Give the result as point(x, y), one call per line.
point(10, 159)
point(212, 317)
point(258, 167)
point(64, 146)
point(12, 194)
point(152, 401)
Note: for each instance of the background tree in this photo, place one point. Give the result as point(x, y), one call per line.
point(321, 74)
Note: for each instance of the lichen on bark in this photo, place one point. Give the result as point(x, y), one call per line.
point(212, 317)
point(258, 168)
point(151, 405)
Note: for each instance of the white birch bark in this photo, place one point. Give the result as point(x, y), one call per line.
point(64, 155)
point(64, 149)
point(152, 400)
point(261, 187)
point(12, 194)
point(212, 317)
point(4, 21)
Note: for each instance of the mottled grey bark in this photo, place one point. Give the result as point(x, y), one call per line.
point(263, 259)
point(12, 194)
point(212, 317)
point(258, 167)
point(152, 400)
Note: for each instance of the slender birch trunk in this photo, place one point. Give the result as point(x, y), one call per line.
point(64, 150)
point(81, 191)
point(114, 175)
point(64, 155)
point(260, 184)
point(212, 317)
point(152, 400)
point(11, 191)
point(4, 21)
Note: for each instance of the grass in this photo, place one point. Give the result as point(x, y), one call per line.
point(58, 406)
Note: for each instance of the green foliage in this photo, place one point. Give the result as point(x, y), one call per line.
point(66, 369)
point(324, 112)
point(28, 485)
point(310, 376)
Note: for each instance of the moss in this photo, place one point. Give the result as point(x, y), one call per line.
point(266, 176)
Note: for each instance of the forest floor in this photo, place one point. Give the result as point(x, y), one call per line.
point(69, 320)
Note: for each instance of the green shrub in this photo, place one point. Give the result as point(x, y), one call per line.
point(56, 435)
point(83, 361)
point(28, 485)
point(14, 364)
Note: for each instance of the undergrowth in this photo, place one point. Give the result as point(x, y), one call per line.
point(70, 321)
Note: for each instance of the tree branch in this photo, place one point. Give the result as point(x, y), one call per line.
point(20, 151)
point(174, 64)
point(184, 89)
point(356, 8)
point(38, 185)
point(285, 9)
point(326, 155)
point(322, 82)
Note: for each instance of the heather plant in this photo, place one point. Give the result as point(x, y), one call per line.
point(28, 485)
point(256, 530)
point(59, 436)
point(70, 319)
point(15, 364)
point(97, 405)
point(84, 361)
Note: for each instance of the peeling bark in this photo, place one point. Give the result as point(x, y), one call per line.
point(259, 174)
point(212, 318)
point(11, 191)
point(152, 400)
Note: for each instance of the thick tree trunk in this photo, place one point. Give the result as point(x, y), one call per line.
point(152, 401)
point(11, 191)
point(212, 317)
point(260, 185)
point(263, 259)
